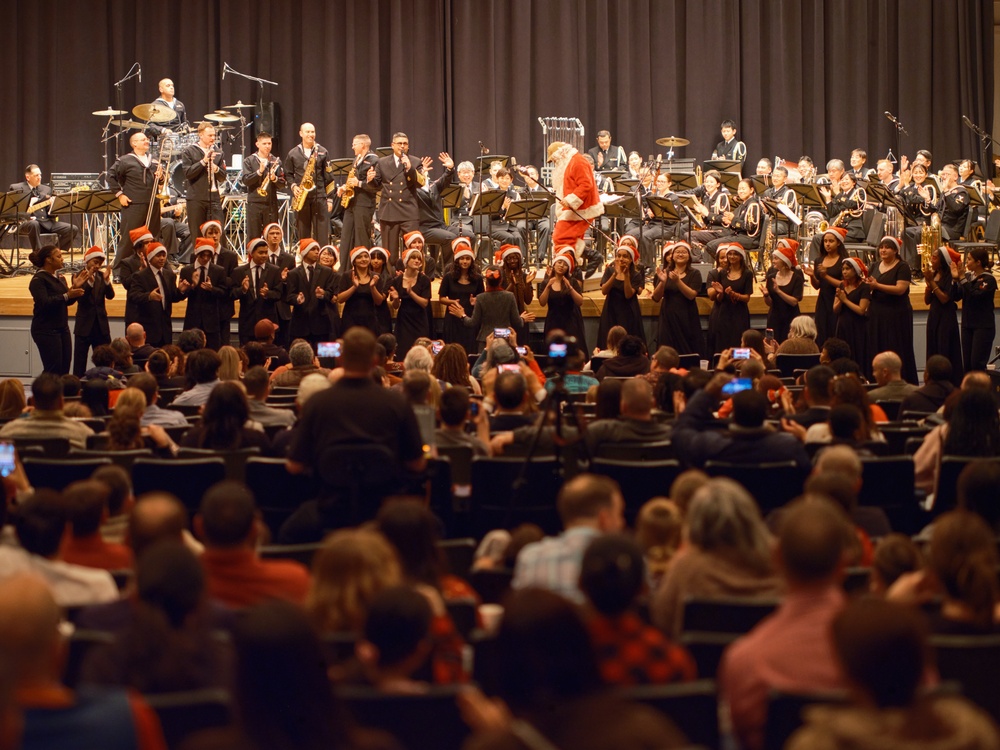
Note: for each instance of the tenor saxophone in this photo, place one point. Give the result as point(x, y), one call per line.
point(308, 182)
point(348, 195)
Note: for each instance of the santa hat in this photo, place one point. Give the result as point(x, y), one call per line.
point(267, 229)
point(462, 248)
point(409, 237)
point(154, 248)
point(307, 244)
point(202, 245)
point(670, 246)
point(633, 250)
point(379, 251)
point(140, 235)
point(355, 252)
point(891, 240)
point(333, 249)
point(628, 239)
point(210, 223)
point(254, 243)
point(567, 254)
point(554, 148)
point(508, 250)
point(93, 253)
point(859, 268)
point(838, 232)
point(736, 247)
point(786, 251)
point(950, 256)
point(412, 251)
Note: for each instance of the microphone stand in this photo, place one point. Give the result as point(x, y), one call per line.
point(120, 106)
point(900, 131)
point(984, 139)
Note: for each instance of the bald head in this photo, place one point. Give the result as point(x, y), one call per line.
point(29, 623)
point(636, 398)
point(156, 516)
point(976, 379)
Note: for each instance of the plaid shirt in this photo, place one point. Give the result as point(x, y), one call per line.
point(554, 563)
point(630, 652)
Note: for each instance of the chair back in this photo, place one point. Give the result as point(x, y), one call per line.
point(277, 492)
point(429, 720)
point(784, 713)
point(58, 473)
point(182, 714)
point(692, 706)
point(789, 363)
point(187, 478)
point(973, 661)
point(51, 447)
point(772, 484)
point(458, 554)
point(300, 553)
point(730, 614)
point(497, 503)
point(639, 480)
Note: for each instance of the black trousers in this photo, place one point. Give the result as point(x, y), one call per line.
point(357, 229)
point(259, 215)
point(392, 236)
point(64, 231)
point(81, 349)
point(199, 212)
point(55, 348)
point(314, 220)
point(133, 217)
point(977, 346)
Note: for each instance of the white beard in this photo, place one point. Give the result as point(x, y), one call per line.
point(559, 171)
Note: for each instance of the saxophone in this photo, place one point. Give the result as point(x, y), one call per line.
point(308, 183)
point(348, 196)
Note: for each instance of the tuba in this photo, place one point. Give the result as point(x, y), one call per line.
point(308, 182)
point(930, 241)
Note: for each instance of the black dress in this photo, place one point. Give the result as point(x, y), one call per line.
point(382, 312)
point(728, 319)
point(853, 328)
point(619, 311)
point(564, 314)
point(890, 321)
point(412, 320)
point(680, 326)
point(454, 331)
point(942, 326)
point(359, 309)
point(780, 314)
point(826, 321)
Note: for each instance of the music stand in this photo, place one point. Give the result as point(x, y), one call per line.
point(725, 165)
point(808, 196)
point(487, 203)
point(85, 202)
point(611, 174)
point(761, 182)
point(482, 163)
point(663, 209)
point(451, 196)
point(528, 209)
point(341, 167)
point(681, 180)
point(731, 181)
point(383, 151)
point(12, 204)
point(975, 197)
point(625, 185)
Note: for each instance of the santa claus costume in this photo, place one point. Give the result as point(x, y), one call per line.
point(580, 201)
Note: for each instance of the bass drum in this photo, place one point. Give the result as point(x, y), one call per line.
point(178, 182)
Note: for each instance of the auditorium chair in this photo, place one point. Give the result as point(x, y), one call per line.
point(789, 363)
point(422, 720)
point(974, 662)
point(496, 504)
point(181, 714)
point(187, 478)
point(58, 473)
point(639, 480)
point(692, 706)
point(887, 483)
point(726, 614)
point(784, 713)
point(772, 484)
point(277, 493)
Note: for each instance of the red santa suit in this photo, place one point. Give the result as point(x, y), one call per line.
point(573, 179)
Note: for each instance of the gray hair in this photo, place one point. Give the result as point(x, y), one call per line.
point(466, 165)
point(311, 385)
point(839, 459)
point(835, 164)
point(418, 358)
point(301, 354)
point(724, 519)
point(802, 327)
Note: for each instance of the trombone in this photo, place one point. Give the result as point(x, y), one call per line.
point(159, 193)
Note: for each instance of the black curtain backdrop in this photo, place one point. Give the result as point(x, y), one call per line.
point(800, 76)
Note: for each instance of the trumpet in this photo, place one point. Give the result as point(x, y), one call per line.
point(269, 177)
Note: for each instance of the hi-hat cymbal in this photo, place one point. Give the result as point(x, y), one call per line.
point(127, 124)
point(214, 117)
point(672, 141)
point(153, 112)
point(239, 105)
point(109, 112)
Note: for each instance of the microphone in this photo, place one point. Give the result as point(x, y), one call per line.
point(888, 114)
point(225, 68)
point(140, 73)
point(659, 160)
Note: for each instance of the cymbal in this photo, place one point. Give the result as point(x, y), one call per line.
point(214, 117)
point(127, 124)
point(672, 141)
point(109, 112)
point(153, 112)
point(239, 105)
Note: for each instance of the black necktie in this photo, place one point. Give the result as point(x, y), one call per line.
point(274, 259)
point(309, 274)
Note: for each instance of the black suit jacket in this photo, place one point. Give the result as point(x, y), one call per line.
point(126, 273)
point(91, 311)
point(284, 260)
point(133, 178)
point(228, 261)
point(295, 167)
point(152, 315)
point(199, 187)
point(399, 189)
point(364, 194)
point(254, 306)
point(310, 318)
point(49, 313)
point(44, 193)
point(204, 306)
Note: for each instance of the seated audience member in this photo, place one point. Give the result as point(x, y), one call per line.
point(223, 423)
point(162, 367)
point(388, 341)
point(575, 380)
point(153, 413)
point(849, 390)
point(683, 489)
point(608, 399)
point(887, 369)
point(630, 360)
point(453, 412)
point(790, 650)
point(801, 340)
point(936, 388)
point(728, 553)
point(258, 387)
point(124, 361)
point(135, 335)
point(629, 652)
point(303, 362)
point(32, 649)
point(168, 645)
point(658, 527)
point(451, 367)
point(87, 504)
point(105, 367)
point(232, 366)
point(816, 396)
point(202, 375)
point(834, 350)
point(615, 336)
point(883, 651)
point(589, 505)
point(310, 385)
point(40, 527)
point(191, 340)
point(895, 555)
point(264, 333)
point(126, 432)
point(120, 501)
point(748, 440)
point(47, 420)
point(228, 524)
point(549, 683)
point(395, 641)
point(978, 489)
point(511, 403)
point(634, 425)
point(843, 461)
point(840, 491)
point(12, 399)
